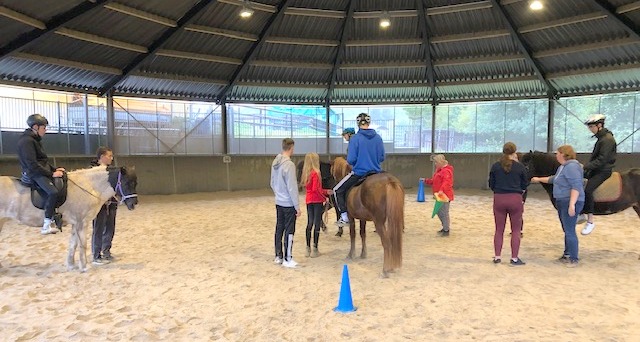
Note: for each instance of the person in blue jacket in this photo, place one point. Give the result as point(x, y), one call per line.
point(365, 153)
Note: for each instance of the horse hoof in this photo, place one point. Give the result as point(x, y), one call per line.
point(363, 256)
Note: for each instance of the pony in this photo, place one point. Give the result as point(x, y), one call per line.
point(87, 191)
point(379, 198)
point(540, 164)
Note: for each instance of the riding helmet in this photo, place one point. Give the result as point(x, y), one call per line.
point(595, 119)
point(363, 119)
point(349, 130)
point(37, 119)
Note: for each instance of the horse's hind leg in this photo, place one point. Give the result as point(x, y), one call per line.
point(637, 209)
point(363, 236)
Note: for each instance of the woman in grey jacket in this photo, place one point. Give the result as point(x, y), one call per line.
point(569, 195)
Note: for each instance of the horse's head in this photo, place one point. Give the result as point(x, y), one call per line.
point(539, 164)
point(124, 182)
point(340, 168)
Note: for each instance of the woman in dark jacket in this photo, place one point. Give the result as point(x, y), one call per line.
point(508, 180)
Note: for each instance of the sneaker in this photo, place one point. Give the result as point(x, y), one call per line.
point(496, 260)
point(582, 218)
point(564, 258)
point(341, 223)
point(48, 228)
point(443, 232)
point(314, 252)
point(289, 264)
point(308, 253)
point(572, 263)
point(588, 228)
point(108, 257)
point(99, 261)
point(518, 262)
point(277, 260)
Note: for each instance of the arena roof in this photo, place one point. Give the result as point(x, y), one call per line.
point(322, 51)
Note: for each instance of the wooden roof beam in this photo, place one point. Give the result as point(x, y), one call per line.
point(340, 51)
point(551, 90)
point(252, 53)
point(134, 12)
point(622, 21)
point(23, 18)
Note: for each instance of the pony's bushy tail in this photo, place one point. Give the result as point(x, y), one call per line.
point(395, 223)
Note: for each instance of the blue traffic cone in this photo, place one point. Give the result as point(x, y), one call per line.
point(345, 302)
point(421, 190)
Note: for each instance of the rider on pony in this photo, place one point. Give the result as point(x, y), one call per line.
point(599, 167)
point(365, 153)
point(36, 169)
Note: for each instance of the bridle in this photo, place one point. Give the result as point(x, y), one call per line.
point(119, 189)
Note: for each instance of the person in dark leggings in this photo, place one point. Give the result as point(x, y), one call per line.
point(36, 168)
point(508, 180)
point(315, 198)
point(599, 167)
point(104, 225)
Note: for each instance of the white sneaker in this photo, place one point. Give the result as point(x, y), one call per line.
point(582, 218)
point(48, 227)
point(277, 260)
point(289, 264)
point(588, 228)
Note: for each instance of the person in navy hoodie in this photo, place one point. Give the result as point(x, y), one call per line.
point(366, 154)
point(569, 194)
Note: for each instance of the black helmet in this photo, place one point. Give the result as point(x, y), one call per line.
point(363, 119)
point(37, 119)
point(595, 119)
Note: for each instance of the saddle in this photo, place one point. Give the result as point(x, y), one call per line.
point(364, 178)
point(38, 195)
point(610, 190)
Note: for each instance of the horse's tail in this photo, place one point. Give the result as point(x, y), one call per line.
point(395, 223)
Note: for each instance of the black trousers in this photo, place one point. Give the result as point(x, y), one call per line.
point(314, 220)
point(46, 184)
point(341, 189)
point(593, 183)
point(104, 227)
point(285, 228)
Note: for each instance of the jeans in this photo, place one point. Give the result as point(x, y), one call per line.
point(569, 226)
point(46, 184)
point(285, 228)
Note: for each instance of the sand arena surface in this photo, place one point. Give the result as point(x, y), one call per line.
point(200, 267)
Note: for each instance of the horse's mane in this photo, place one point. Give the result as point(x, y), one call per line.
point(340, 168)
point(95, 177)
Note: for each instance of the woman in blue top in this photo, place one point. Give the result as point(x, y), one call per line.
point(569, 195)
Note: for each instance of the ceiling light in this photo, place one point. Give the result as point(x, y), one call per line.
point(385, 20)
point(246, 11)
point(536, 5)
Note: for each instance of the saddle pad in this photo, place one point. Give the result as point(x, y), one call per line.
point(610, 190)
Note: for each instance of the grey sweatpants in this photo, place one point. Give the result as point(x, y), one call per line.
point(443, 215)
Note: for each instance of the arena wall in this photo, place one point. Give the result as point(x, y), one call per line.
point(189, 174)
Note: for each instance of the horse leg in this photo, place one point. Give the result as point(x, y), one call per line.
point(352, 235)
point(386, 245)
point(82, 242)
point(635, 207)
point(363, 236)
point(73, 244)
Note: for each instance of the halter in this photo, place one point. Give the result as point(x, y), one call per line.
point(118, 189)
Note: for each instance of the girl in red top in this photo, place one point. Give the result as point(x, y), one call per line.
point(316, 196)
point(442, 184)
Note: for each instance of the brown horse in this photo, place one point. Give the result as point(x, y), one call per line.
point(380, 198)
point(542, 164)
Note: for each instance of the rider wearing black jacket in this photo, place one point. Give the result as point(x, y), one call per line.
point(599, 167)
point(36, 168)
